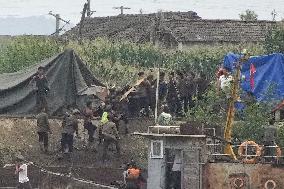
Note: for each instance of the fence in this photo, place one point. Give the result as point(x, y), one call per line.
point(250, 151)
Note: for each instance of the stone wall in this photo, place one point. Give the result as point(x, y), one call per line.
point(222, 175)
point(193, 151)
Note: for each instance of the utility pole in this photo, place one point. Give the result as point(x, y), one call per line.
point(57, 25)
point(159, 26)
point(82, 19)
point(122, 8)
point(89, 8)
point(274, 14)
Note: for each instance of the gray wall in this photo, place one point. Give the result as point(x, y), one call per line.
point(194, 151)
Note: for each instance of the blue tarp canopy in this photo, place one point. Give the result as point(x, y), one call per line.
point(268, 77)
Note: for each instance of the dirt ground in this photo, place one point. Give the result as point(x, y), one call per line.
point(19, 135)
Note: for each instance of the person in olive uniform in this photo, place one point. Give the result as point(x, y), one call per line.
point(42, 89)
point(43, 130)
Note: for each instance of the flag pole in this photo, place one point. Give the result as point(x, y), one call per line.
point(157, 95)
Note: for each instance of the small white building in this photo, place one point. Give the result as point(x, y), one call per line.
point(169, 153)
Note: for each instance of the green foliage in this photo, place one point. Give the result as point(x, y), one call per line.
point(252, 126)
point(274, 41)
point(248, 125)
point(21, 52)
point(116, 63)
point(249, 15)
point(210, 110)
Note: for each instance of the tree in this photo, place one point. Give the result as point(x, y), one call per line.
point(274, 41)
point(249, 15)
point(249, 124)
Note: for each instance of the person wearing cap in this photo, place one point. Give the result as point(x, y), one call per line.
point(121, 113)
point(70, 127)
point(43, 130)
point(163, 87)
point(173, 97)
point(104, 120)
point(22, 172)
point(144, 93)
point(41, 89)
point(109, 134)
point(99, 110)
point(88, 124)
point(201, 85)
point(105, 116)
point(133, 177)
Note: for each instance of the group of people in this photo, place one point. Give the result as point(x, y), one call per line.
point(100, 124)
point(177, 91)
point(105, 128)
point(175, 97)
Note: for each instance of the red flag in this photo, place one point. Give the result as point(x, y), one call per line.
point(251, 73)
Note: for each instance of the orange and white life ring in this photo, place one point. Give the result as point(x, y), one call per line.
point(270, 184)
point(242, 149)
point(238, 182)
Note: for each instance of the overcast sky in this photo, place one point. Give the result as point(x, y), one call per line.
point(211, 9)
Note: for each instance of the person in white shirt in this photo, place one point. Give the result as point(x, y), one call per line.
point(22, 171)
point(165, 118)
point(225, 82)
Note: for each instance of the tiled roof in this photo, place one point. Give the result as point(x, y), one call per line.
point(183, 26)
point(219, 30)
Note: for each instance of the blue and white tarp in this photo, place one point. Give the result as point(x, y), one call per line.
point(266, 80)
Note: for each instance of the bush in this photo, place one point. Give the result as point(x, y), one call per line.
point(274, 41)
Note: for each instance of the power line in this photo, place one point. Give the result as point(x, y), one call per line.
point(57, 25)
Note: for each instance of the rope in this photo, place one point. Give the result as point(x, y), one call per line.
point(67, 175)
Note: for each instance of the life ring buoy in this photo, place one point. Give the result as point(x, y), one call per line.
point(238, 182)
point(241, 151)
point(268, 186)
